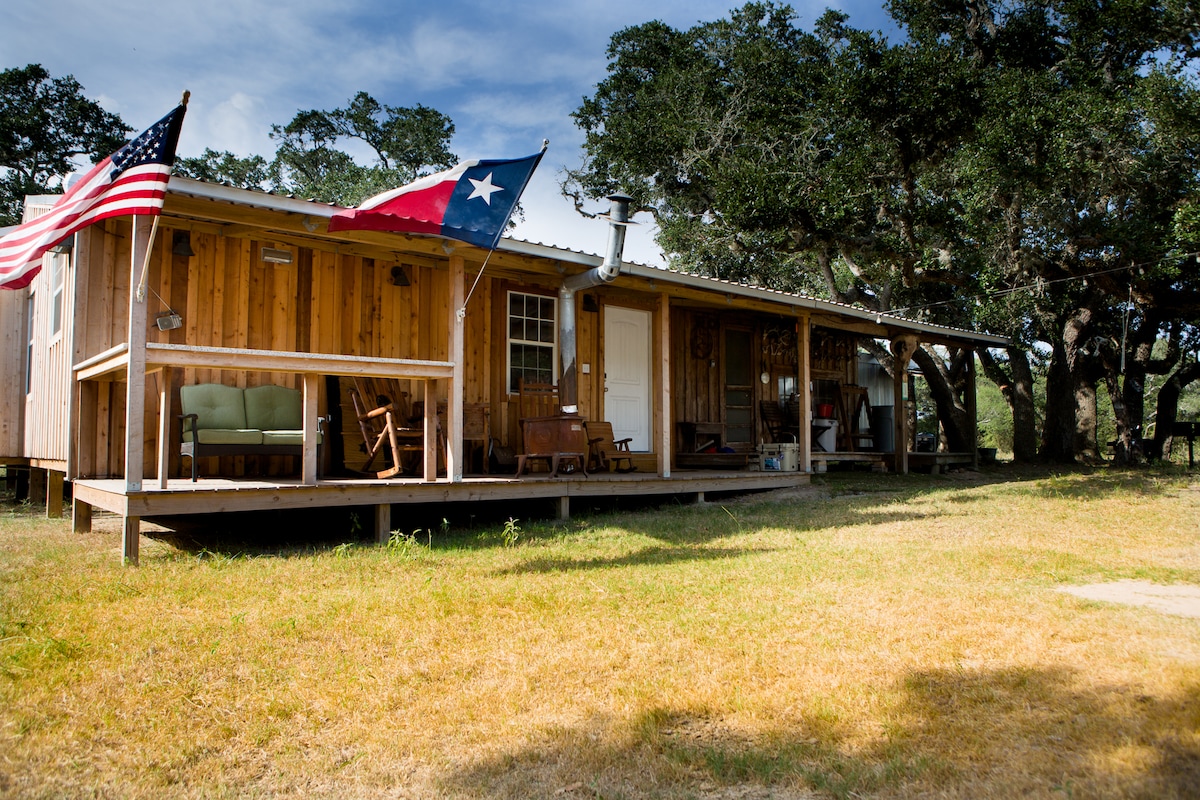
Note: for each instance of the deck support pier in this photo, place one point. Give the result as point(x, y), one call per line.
point(54, 494)
point(81, 516)
point(383, 523)
point(564, 508)
point(130, 539)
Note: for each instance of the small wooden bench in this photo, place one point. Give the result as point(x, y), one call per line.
point(220, 420)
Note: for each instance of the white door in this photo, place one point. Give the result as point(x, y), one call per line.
point(627, 374)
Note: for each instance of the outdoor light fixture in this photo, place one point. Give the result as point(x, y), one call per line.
point(168, 321)
point(400, 277)
point(273, 255)
point(181, 244)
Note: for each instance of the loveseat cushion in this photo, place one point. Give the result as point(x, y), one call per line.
point(274, 408)
point(239, 436)
point(215, 406)
point(295, 438)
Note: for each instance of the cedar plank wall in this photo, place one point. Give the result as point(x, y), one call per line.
point(322, 302)
point(698, 380)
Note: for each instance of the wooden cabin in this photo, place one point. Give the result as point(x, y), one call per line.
point(246, 288)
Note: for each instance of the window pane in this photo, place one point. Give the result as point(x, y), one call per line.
point(547, 309)
point(516, 304)
point(546, 334)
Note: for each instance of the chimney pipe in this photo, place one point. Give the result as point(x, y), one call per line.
point(618, 219)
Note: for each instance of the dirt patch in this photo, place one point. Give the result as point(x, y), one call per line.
point(1180, 599)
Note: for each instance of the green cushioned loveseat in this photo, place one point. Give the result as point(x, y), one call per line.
point(221, 420)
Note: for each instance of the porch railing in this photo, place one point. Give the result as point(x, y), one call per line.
point(112, 363)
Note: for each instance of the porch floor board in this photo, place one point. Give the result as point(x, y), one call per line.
point(223, 495)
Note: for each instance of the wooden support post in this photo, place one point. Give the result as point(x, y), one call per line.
point(130, 540)
point(37, 485)
point(700, 498)
point(164, 425)
point(54, 494)
point(383, 523)
point(903, 347)
point(972, 411)
point(662, 410)
point(804, 390)
point(564, 508)
point(81, 516)
point(454, 399)
point(431, 429)
point(135, 402)
point(309, 401)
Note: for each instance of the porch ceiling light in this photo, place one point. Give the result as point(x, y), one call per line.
point(273, 255)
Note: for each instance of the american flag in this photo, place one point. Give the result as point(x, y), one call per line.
point(132, 180)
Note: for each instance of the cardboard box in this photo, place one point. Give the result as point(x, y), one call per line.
point(779, 457)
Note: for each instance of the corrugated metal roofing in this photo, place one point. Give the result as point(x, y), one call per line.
point(291, 204)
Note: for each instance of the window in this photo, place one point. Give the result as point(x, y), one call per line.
point(58, 279)
point(532, 339)
point(29, 350)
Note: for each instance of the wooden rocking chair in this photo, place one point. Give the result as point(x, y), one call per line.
point(776, 422)
point(383, 416)
point(605, 454)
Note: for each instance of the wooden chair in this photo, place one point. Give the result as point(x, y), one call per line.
point(776, 422)
point(604, 453)
point(851, 401)
point(537, 400)
point(477, 429)
point(383, 419)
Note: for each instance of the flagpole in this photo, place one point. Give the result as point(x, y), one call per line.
point(141, 287)
point(462, 312)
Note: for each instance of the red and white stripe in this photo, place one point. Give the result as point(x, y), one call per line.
point(138, 190)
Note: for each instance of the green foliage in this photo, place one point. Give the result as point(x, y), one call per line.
point(1006, 166)
point(405, 142)
point(225, 167)
point(45, 124)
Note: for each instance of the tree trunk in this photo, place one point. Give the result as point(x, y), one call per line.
point(951, 409)
point(1168, 407)
point(1016, 386)
point(1070, 432)
point(1058, 431)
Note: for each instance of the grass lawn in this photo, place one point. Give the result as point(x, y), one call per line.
point(869, 636)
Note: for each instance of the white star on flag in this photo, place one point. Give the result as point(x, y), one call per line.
point(484, 188)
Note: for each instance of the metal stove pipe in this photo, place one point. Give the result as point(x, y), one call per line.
point(607, 272)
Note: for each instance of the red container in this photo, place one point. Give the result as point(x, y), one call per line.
point(824, 410)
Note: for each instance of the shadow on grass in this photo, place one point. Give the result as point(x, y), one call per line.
point(649, 556)
point(834, 499)
point(1009, 732)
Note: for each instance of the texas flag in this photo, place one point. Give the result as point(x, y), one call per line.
point(471, 202)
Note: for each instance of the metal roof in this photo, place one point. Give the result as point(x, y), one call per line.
point(290, 204)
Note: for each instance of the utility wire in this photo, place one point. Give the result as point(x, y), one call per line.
point(1039, 284)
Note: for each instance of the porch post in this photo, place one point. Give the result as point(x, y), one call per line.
point(135, 387)
point(309, 469)
point(135, 401)
point(431, 429)
point(664, 377)
point(454, 398)
point(972, 410)
point(804, 390)
point(903, 347)
point(164, 425)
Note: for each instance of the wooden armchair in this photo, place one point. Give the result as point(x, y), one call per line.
point(604, 453)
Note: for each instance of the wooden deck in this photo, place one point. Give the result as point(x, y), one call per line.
point(216, 495)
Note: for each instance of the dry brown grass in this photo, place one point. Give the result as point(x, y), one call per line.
point(873, 636)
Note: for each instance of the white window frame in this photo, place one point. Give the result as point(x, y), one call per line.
point(58, 285)
point(510, 340)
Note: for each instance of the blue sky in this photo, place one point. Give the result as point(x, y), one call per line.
point(508, 72)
